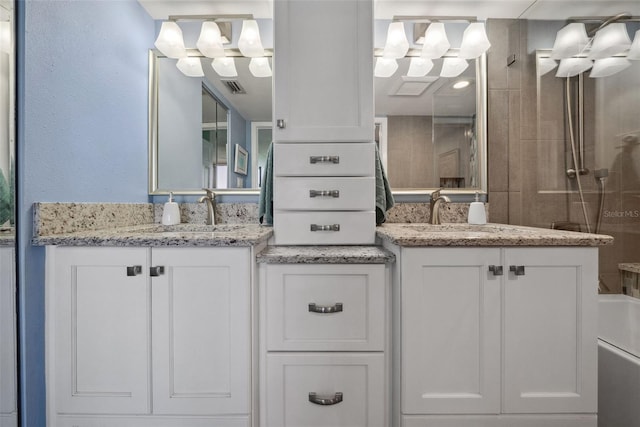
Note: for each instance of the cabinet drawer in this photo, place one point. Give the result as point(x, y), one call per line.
point(356, 194)
point(293, 378)
point(325, 307)
point(326, 159)
point(340, 228)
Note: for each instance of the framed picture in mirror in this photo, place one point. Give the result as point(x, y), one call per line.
point(241, 160)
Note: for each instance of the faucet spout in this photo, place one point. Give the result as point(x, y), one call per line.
point(210, 200)
point(434, 206)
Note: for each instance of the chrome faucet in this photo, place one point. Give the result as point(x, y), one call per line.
point(434, 206)
point(210, 200)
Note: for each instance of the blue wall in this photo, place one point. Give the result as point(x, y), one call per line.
point(82, 135)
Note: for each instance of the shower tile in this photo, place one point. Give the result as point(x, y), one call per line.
point(515, 208)
point(498, 33)
point(498, 148)
point(499, 207)
point(515, 164)
point(514, 71)
point(528, 87)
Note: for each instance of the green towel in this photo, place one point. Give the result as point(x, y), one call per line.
point(384, 197)
point(6, 200)
point(265, 203)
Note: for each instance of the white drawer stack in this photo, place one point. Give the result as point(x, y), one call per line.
point(324, 336)
point(324, 193)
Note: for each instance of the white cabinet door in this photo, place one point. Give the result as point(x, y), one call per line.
point(323, 70)
point(550, 346)
point(325, 390)
point(450, 331)
point(201, 331)
point(99, 318)
point(8, 366)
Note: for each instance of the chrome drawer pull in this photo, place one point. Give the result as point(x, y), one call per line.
point(496, 270)
point(324, 193)
point(313, 308)
point(518, 270)
point(324, 159)
point(134, 270)
point(332, 227)
point(325, 401)
point(156, 271)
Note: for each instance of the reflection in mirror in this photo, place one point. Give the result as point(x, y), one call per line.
point(433, 126)
point(8, 347)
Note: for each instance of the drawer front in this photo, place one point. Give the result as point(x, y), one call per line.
point(352, 386)
point(325, 159)
point(357, 194)
point(324, 228)
point(325, 307)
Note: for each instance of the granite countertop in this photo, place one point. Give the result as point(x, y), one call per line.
point(325, 255)
point(485, 235)
point(161, 235)
point(631, 267)
point(7, 236)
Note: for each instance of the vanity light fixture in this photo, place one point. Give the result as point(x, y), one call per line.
point(385, 67)
point(259, 67)
point(545, 65)
point(634, 50)
point(570, 67)
point(610, 40)
point(397, 44)
point(570, 41)
point(190, 66)
point(419, 67)
point(453, 67)
point(474, 41)
point(210, 40)
point(436, 42)
point(608, 66)
point(225, 67)
point(249, 42)
point(170, 41)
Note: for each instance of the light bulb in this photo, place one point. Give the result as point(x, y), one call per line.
point(397, 44)
point(210, 41)
point(436, 43)
point(474, 41)
point(170, 41)
point(249, 42)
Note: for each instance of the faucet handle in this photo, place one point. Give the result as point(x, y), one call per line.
point(436, 193)
point(210, 193)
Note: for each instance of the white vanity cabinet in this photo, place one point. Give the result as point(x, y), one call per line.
point(479, 344)
point(8, 365)
point(323, 71)
point(148, 336)
point(323, 341)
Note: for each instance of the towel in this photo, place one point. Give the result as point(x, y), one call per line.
point(384, 197)
point(265, 202)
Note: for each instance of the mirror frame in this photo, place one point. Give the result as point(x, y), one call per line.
point(465, 194)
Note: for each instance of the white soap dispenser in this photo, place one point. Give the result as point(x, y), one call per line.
point(477, 214)
point(171, 212)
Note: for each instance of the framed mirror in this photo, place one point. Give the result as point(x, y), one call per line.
point(8, 327)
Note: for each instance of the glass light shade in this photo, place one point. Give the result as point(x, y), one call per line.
point(436, 42)
point(190, 67)
point(453, 67)
point(545, 65)
point(610, 40)
point(249, 42)
point(608, 66)
point(570, 40)
point(397, 44)
point(259, 67)
point(419, 67)
point(385, 67)
point(210, 41)
point(570, 67)
point(225, 67)
point(474, 41)
point(170, 41)
point(634, 50)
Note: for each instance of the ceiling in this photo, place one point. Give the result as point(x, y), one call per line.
point(260, 88)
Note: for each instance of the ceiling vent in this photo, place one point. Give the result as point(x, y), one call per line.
point(412, 86)
point(234, 87)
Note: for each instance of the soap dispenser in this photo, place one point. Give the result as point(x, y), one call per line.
point(171, 212)
point(477, 214)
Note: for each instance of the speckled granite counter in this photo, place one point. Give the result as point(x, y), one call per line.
point(325, 255)
point(631, 267)
point(160, 235)
point(484, 235)
point(7, 236)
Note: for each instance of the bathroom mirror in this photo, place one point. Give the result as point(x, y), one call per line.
point(447, 128)
point(8, 331)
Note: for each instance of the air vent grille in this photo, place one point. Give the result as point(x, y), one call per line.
point(234, 87)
